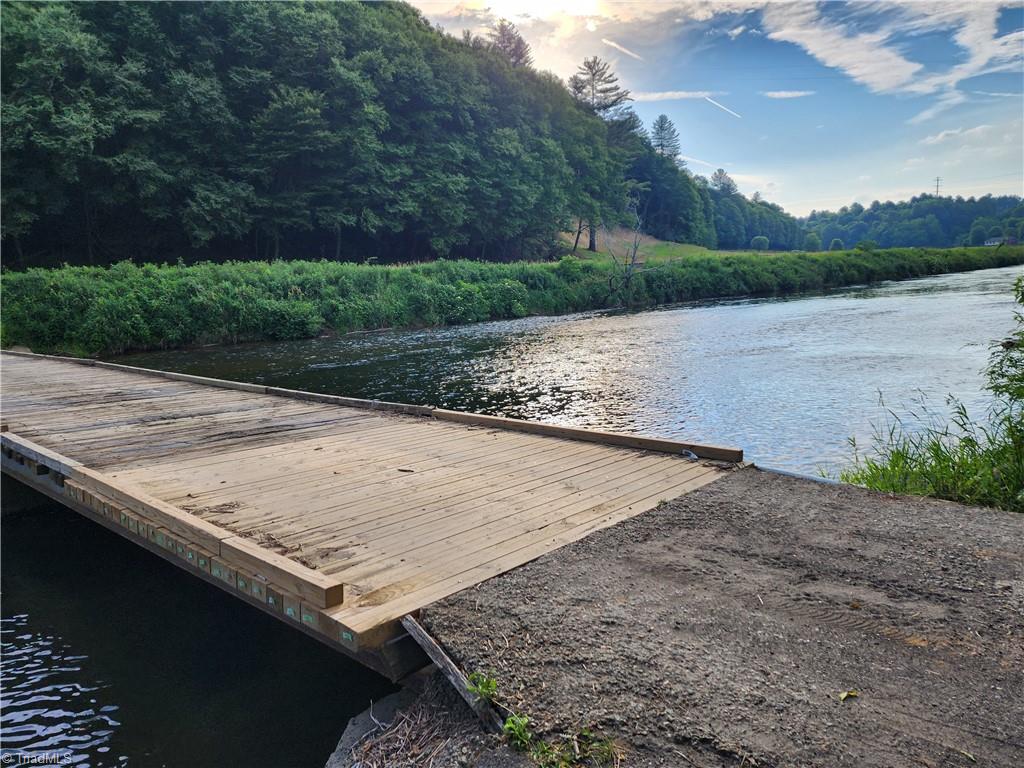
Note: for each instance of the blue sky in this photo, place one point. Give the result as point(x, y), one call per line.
point(814, 105)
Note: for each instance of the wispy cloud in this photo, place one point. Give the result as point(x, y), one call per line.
point(736, 32)
point(621, 48)
point(787, 94)
point(873, 55)
point(942, 136)
point(699, 162)
point(709, 100)
point(672, 95)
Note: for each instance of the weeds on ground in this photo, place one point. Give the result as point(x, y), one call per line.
point(579, 750)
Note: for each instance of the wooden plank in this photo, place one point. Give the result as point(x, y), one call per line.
point(179, 522)
point(716, 452)
point(38, 453)
point(317, 589)
point(491, 719)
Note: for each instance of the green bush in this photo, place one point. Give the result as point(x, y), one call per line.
point(104, 311)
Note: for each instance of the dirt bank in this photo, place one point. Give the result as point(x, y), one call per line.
point(723, 627)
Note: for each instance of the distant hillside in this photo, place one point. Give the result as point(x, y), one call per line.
point(922, 221)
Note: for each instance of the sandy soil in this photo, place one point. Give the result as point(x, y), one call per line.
point(723, 627)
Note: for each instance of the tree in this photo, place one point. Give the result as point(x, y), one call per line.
point(995, 232)
point(665, 137)
point(505, 39)
point(812, 241)
point(759, 243)
point(722, 183)
point(836, 244)
point(866, 245)
point(596, 86)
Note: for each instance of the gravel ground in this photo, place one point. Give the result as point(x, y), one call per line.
point(723, 627)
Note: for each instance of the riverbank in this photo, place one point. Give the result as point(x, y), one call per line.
point(97, 311)
point(764, 620)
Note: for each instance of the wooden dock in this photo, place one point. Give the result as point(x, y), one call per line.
point(339, 515)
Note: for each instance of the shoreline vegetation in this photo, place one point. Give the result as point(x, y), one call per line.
point(94, 311)
point(972, 460)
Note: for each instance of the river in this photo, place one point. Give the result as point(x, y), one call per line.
point(95, 665)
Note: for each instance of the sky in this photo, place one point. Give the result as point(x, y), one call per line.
point(813, 104)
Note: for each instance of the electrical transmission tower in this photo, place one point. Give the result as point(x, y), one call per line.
point(938, 180)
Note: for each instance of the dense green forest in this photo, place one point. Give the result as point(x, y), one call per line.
point(922, 221)
point(96, 310)
point(158, 131)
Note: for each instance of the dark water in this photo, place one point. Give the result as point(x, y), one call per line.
point(112, 657)
point(118, 658)
point(789, 380)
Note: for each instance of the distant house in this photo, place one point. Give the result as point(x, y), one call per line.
point(1001, 241)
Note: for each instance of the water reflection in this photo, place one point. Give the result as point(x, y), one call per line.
point(789, 380)
point(50, 702)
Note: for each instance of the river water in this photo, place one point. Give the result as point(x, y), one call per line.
point(117, 658)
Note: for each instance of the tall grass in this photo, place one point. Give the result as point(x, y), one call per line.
point(970, 460)
point(95, 310)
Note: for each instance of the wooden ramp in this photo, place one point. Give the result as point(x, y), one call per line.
point(341, 515)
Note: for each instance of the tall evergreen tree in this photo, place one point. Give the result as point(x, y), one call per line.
point(665, 137)
point(505, 39)
point(596, 86)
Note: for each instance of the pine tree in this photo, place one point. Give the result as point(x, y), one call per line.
point(722, 182)
point(665, 137)
point(505, 38)
point(595, 85)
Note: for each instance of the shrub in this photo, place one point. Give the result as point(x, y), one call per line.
point(104, 311)
point(836, 244)
point(759, 243)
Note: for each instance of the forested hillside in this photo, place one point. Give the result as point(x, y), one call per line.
point(922, 221)
point(158, 131)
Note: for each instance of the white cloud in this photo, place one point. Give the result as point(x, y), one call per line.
point(864, 177)
point(672, 95)
point(736, 32)
point(787, 94)
point(861, 55)
point(622, 48)
point(873, 59)
point(945, 102)
point(942, 136)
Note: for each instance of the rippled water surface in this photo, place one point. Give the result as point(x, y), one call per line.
point(112, 657)
point(789, 380)
point(116, 658)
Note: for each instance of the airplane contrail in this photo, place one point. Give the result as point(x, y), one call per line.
point(622, 48)
point(723, 107)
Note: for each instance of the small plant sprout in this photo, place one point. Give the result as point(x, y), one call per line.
point(517, 731)
point(484, 686)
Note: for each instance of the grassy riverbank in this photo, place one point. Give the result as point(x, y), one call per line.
point(93, 311)
point(978, 459)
